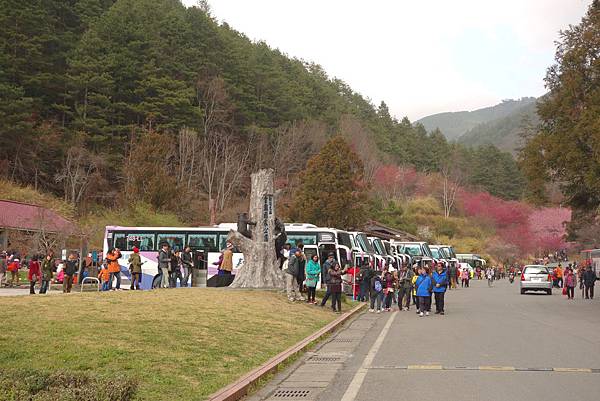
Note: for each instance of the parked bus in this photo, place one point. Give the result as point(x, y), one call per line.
point(440, 255)
point(472, 259)
point(451, 254)
point(418, 251)
point(380, 250)
point(362, 242)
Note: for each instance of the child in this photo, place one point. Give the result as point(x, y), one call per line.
point(376, 292)
point(423, 286)
point(313, 271)
point(104, 277)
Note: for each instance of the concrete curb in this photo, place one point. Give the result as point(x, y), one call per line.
point(239, 388)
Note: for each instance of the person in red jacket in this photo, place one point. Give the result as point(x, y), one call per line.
point(34, 273)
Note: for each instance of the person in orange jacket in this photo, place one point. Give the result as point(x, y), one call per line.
point(114, 268)
point(104, 277)
point(559, 276)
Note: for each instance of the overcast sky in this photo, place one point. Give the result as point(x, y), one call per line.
point(419, 56)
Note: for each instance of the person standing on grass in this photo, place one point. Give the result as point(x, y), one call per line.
point(313, 272)
point(335, 286)
point(164, 260)
point(114, 268)
point(13, 268)
point(423, 286)
point(570, 283)
point(104, 277)
point(70, 269)
point(135, 268)
point(291, 275)
point(440, 284)
point(187, 262)
point(589, 281)
point(326, 267)
point(34, 273)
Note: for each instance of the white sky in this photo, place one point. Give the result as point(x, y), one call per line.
point(419, 56)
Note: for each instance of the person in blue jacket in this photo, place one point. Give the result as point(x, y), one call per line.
point(423, 287)
point(440, 284)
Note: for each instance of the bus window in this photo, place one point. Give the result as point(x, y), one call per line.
point(343, 258)
point(175, 240)
point(119, 241)
point(345, 239)
point(306, 239)
point(144, 241)
point(206, 242)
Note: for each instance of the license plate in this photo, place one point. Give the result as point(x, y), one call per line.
point(536, 279)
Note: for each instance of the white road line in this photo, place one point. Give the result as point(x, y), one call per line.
point(361, 373)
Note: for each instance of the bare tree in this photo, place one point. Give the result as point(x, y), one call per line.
point(75, 176)
point(362, 142)
point(452, 179)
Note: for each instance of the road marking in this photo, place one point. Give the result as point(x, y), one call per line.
point(424, 367)
point(498, 368)
point(361, 373)
point(580, 370)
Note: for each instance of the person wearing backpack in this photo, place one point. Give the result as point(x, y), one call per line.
point(376, 292)
point(440, 284)
point(423, 286)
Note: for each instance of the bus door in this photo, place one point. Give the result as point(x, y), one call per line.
point(309, 252)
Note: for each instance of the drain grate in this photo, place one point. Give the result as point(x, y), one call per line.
point(345, 340)
point(325, 359)
point(291, 394)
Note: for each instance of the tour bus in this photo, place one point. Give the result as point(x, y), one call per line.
point(440, 254)
point(418, 251)
point(472, 259)
point(205, 242)
point(380, 250)
point(591, 257)
point(391, 250)
point(451, 254)
point(398, 251)
point(362, 242)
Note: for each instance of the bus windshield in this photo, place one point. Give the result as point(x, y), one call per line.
point(427, 250)
point(379, 247)
point(364, 244)
point(413, 249)
point(436, 253)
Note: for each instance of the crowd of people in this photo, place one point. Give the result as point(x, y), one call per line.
point(573, 276)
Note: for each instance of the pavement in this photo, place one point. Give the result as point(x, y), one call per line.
point(492, 344)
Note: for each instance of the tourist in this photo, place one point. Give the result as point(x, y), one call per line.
point(388, 288)
point(405, 283)
point(13, 267)
point(423, 286)
point(301, 267)
point(452, 272)
point(114, 268)
point(164, 260)
point(135, 268)
point(187, 262)
point(376, 295)
point(2, 268)
point(589, 281)
point(570, 282)
point(464, 277)
point(175, 269)
point(70, 269)
point(313, 272)
point(104, 277)
point(335, 286)
point(226, 265)
point(34, 273)
point(326, 266)
point(440, 283)
point(414, 281)
point(364, 279)
point(489, 273)
point(47, 271)
point(291, 274)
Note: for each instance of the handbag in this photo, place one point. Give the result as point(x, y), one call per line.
point(564, 291)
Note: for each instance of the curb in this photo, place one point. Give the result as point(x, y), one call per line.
point(239, 388)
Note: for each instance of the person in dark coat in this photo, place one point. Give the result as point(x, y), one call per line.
point(335, 286)
point(47, 271)
point(187, 261)
point(71, 267)
point(589, 281)
point(326, 267)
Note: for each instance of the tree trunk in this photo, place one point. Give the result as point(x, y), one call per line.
point(261, 267)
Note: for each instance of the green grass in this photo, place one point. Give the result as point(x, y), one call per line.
point(177, 344)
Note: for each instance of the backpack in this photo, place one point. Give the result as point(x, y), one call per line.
point(377, 285)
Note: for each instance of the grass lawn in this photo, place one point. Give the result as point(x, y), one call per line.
point(178, 343)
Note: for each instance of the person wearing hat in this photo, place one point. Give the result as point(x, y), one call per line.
point(135, 268)
point(326, 267)
point(13, 268)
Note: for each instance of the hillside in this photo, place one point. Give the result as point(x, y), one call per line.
point(503, 132)
point(455, 124)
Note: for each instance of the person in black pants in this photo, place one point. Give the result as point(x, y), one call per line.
point(326, 267)
point(335, 286)
point(589, 280)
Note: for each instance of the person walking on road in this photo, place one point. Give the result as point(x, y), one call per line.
point(452, 272)
point(34, 273)
point(135, 268)
point(405, 284)
point(114, 268)
point(388, 288)
point(570, 283)
point(313, 272)
point(440, 284)
point(589, 281)
point(326, 266)
point(364, 277)
point(47, 271)
point(490, 276)
point(164, 260)
point(464, 278)
point(376, 292)
point(424, 289)
point(335, 286)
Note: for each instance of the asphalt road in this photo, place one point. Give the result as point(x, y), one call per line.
point(492, 344)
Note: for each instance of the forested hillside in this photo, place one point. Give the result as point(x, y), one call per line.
point(110, 104)
point(507, 132)
point(456, 124)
